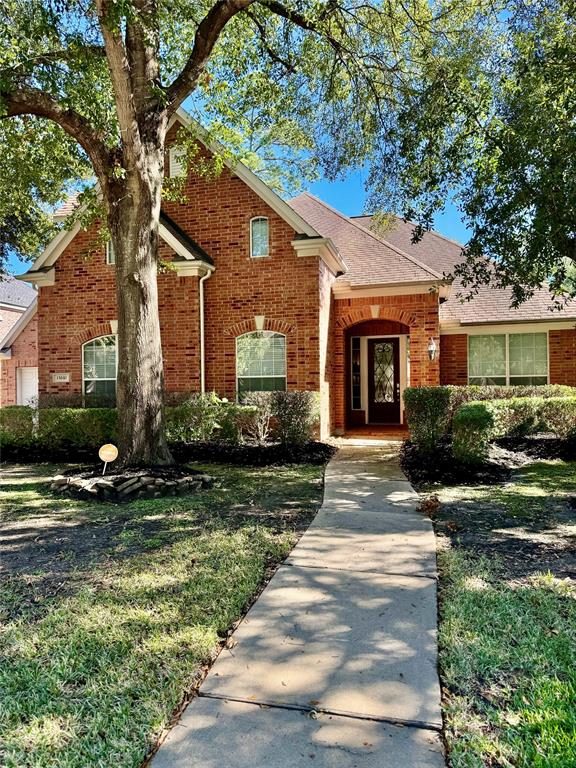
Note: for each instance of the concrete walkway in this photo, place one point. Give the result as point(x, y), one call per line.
point(334, 666)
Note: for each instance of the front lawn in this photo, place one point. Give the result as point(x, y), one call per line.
point(507, 566)
point(110, 613)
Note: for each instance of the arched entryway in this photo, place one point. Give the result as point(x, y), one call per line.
point(377, 370)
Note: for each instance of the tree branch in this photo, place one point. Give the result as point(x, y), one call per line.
point(33, 101)
point(120, 75)
point(207, 34)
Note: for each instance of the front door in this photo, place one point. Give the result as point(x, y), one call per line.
point(384, 381)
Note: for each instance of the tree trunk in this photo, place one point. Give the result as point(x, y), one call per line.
point(133, 218)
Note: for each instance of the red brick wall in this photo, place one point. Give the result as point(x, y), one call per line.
point(454, 359)
point(283, 287)
point(562, 354)
point(24, 355)
point(417, 311)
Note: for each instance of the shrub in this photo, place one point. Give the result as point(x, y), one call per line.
point(295, 417)
point(472, 428)
point(195, 418)
point(476, 423)
point(76, 428)
point(258, 425)
point(431, 410)
point(17, 426)
point(427, 410)
point(475, 393)
point(558, 415)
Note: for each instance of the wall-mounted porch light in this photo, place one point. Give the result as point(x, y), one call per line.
point(431, 349)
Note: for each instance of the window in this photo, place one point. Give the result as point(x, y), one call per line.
point(110, 255)
point(528, 358)
point(512, 358)
point(99, 366)
point(261, 362)
point(487, 359)
point(259, 245)
point(355, 372)
point(177, 161)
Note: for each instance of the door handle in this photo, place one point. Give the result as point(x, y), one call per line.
point(397, 390)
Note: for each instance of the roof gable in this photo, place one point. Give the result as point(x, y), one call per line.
point(371, 260)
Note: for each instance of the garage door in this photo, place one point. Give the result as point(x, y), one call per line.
point(26, 385)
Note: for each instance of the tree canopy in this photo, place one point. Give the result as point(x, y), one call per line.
point(497, 124)
point(293, 89)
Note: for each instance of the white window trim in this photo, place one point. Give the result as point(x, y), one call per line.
point(507, 335)
point(263, 376)
point(252, 220)
point(110, 255)
point(89, 341)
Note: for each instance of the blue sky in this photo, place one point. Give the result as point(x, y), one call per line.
point(349, 197)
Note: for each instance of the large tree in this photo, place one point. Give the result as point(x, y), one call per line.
point(88, 88)
point(497, 125)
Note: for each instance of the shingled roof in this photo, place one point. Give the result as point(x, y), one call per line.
point(491, 304)
point(15, 292)
point(370, 259)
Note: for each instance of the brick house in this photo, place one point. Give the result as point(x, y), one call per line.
point(18, 342)
point(259, 293)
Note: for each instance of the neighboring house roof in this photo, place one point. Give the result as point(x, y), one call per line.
point(15, 292)
point(19, 326)
point(371, 260)
point(491, 304)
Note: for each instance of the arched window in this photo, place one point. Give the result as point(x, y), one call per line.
point(261, 362)
point(259, 237)
point(99, 367)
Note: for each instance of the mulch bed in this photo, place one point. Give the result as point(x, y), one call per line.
point(443, 468)
point(254, 455)
point(506, 455)
point(223, 453)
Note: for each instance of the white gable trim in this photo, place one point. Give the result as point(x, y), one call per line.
point(249, 178)
point(42, 276)
point(19, 325)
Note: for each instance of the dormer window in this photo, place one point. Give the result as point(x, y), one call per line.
point(177, 162)
point(110, 255)
point(259, 237)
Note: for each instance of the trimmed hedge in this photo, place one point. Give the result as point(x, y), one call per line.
point(427, 409)
point(429, 421)
point(476, 423)
point(289, 418)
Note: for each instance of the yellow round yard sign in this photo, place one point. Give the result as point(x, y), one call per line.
point(108, 453)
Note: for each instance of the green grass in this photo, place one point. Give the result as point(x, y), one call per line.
point(99, 645)
point(535, 490)
point(508, 646)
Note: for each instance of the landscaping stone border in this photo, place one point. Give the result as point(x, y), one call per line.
point(119, 488)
